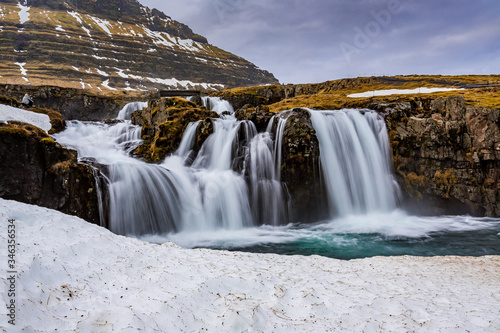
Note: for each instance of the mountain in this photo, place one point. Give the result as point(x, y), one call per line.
point(111, 44)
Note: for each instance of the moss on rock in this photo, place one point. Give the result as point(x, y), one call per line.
point(163, 124)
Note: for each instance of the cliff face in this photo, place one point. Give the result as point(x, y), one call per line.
point(37, 170)
point(72, 104)
point(106, 45)
point(447, 155)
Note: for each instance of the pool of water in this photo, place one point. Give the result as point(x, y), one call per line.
point(360, 236)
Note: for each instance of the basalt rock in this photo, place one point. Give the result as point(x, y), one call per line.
point(72, 104)
point(163, 124)
point(260, 116)
point(447, 155)
point(300, 168)
point(36, 170)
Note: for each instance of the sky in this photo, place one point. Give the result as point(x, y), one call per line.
point(313, 41)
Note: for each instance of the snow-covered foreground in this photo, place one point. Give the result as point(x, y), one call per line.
point(9, 113)
point(388, 92)
point(74, 276)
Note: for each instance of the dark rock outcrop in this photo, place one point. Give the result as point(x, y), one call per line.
point(163, 123)
point(447, 155)
point(260, 116)
point(36, 170)
point(300, 168)
point(72, 104)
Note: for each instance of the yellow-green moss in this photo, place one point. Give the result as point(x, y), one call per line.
point(447, 178)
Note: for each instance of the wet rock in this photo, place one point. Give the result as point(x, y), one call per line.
point(300, 168)
point(36, 170)
point(260, 116)
point(163, 124)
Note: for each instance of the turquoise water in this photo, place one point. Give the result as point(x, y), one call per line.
point(362, 236)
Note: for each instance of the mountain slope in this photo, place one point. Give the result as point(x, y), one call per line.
point(107, 45)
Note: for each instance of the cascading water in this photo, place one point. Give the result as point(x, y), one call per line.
point(222, 195)
point(128, 109)
point(211, 193)
point(216, 104)
point(355, 161)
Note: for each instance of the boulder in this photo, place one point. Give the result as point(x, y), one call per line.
point(300, 168)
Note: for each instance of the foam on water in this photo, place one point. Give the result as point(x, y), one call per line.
point(229, 195)
point(357, 236)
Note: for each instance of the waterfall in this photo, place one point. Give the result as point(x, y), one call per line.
point(230, 184)
point(355, 161)
point(188, 139)
point(234, 180)
point(267, 193)
point(128, 109)
point(217, 104)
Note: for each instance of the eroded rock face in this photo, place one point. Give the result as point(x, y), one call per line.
point(72, 104)
point(260, 116)
point(300, 168)
point(447, 155)
point(36, 170)
point(163, 124)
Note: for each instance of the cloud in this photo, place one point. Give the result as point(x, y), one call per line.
point(301, 41)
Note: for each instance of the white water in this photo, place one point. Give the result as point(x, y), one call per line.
point(211, 194)
point(355, 160)
point(128, 109)
point(217, 104)
point(221, 196)
point(188, 139)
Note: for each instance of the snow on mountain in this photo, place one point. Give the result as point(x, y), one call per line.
point(52, 37)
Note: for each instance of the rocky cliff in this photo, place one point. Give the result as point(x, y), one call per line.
point(447, 155)
point(71, 103)
point(37, 170)
point(106, 45)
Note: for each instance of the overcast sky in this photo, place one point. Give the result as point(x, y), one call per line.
point(318, 40)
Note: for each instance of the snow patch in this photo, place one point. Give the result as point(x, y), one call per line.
point(102, 58)
point(76, 68)
point(103, 24)
point(106, 85)
point(24, 13)
point(60, 28)
point(183, 83)
point(87, 31)
point(421, 90)
point(128, 87)
point(101, 72)
point(21, 67)
point(76, 276)
point(9, 113)
point(77, 16)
